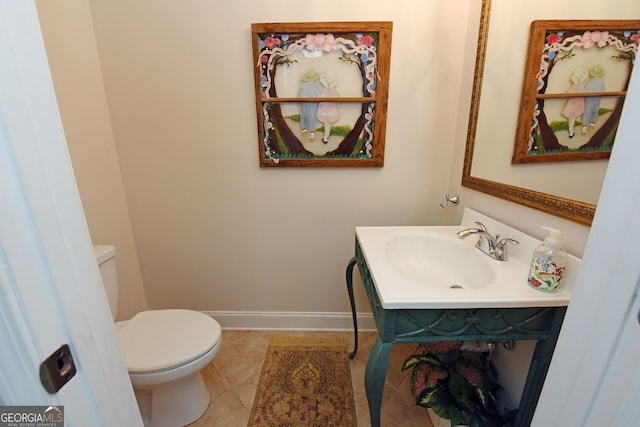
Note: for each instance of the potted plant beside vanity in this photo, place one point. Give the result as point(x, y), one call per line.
point(457, 386)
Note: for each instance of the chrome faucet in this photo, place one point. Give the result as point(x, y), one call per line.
point(489, 244)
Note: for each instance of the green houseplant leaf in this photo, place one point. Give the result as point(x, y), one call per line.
point(456, 384)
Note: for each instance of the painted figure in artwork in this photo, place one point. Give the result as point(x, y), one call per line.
point(328, 112)
point(574, 107)
point(592, 103)
point(309, 88)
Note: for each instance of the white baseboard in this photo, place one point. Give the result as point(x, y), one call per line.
point(302, 321)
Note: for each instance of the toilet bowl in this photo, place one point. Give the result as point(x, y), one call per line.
point(164, 352)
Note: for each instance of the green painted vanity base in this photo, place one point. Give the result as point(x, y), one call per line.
point(432, 325)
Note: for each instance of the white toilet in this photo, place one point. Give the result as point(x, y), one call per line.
point(164, 351)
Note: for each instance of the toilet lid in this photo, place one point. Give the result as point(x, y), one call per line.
point(156, 340)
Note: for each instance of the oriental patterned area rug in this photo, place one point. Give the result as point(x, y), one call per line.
point(305, 381)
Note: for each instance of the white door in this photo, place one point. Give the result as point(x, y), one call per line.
point(50, 289)
point(594, 375)
point(622, 378)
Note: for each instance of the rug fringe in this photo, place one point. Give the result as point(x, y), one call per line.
point(307, 341)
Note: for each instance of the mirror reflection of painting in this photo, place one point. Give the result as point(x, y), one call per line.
point(580, 84)
point(586, 111)
point(317, 94)
point(576, 124)
point(574, 107)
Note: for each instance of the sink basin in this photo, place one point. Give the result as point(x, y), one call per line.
point(430, 267)
point(440, 262)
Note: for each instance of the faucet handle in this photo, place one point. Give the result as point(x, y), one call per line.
point(501, 248)
point(508, 240)
point(481, 226)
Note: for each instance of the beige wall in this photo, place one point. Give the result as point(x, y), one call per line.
point(214, 231)
point(75, 68)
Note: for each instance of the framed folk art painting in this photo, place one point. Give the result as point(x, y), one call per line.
point(321, 93)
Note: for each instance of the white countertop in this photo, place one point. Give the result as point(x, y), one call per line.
point(507, 288)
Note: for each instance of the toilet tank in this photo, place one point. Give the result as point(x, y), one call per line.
point(106, 258)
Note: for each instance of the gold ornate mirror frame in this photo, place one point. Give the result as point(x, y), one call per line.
point(572, 210)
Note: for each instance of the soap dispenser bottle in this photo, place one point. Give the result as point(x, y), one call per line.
point(548, 263)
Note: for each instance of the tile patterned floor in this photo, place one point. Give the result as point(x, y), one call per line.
point(232, 379)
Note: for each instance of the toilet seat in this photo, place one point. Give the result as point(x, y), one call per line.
point(159, 340)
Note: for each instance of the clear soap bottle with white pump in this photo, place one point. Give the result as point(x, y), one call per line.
point(549, 263)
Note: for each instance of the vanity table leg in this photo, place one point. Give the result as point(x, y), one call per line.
point(538, 372)
point(374, 377)
point(350, 266)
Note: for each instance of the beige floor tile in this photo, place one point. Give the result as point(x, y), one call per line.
point(246, 390)
point(365, 344)
point(241, 355)
point(216, 383)
point(359, 395)
point(395, 374)
point(226, 411)
point(400, 410)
